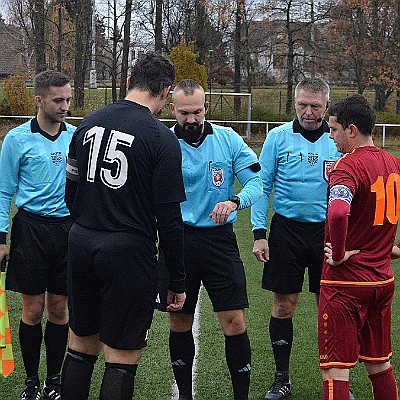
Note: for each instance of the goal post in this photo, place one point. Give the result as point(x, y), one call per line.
point(222, 108)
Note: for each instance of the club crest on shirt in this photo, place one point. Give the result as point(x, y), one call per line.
point(217, 176)
point(327, 167)
point(56, 157)
point(312, 158)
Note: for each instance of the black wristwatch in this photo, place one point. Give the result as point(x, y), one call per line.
point(236, 200)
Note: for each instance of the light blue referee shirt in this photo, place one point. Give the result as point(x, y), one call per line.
point(297, 170)
point(209, 172)
point(32, 166)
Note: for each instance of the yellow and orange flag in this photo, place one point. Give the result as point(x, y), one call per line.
point(6, 354)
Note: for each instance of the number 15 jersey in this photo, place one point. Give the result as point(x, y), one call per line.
point(373, 176)
point(122, 164)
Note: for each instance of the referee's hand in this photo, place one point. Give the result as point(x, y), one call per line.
point(261, 250)
point(222, 211)
point(175, 301)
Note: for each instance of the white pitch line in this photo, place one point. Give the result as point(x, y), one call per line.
point(196, 333)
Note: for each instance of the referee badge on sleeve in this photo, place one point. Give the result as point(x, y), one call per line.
point(217, 176)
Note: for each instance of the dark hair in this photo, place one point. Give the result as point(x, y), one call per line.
point(45, 79)
point(152, 73)
point(313, 85)
point(188, 86)
point(355, 110)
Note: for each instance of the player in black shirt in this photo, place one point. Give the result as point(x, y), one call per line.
point(124, 183)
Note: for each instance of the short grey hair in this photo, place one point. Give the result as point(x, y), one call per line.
point(313, 85)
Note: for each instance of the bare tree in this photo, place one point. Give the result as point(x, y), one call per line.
point(365, 35)
point(398, 58)
point(297, 18)
point(59, 37)
point(201, 30)
point(81, 13)
point(30, 16)
point(37, 8)
point(240, 19)
point(158, 27)
point(125, 48)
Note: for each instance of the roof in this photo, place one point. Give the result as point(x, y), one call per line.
point(11, 49)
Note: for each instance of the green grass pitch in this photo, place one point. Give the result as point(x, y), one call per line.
point(154, 378)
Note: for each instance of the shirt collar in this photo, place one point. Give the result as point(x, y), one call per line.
point(35, 128)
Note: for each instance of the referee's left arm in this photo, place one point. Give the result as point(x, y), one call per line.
point(250, 179)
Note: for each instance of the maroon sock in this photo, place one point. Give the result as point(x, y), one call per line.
point(384, 385)
point(336, 390)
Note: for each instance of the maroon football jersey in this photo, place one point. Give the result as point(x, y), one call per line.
point(373, 176)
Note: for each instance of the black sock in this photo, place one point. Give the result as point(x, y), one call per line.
point(30, 339)
point(281, 334)
point(55, 340)
point(118, 382)
point(181, 349)
point(76, 375)
point(238, 359)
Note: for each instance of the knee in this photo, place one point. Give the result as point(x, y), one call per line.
point(32, 314)
point(85, 344)
point(284, 307)
point(234, 328)
point(232, 322)
point(181, 322)
point(57, 310)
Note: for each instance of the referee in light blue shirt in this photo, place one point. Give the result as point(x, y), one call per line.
point(295, 159)
point(32, 166)
point(212, 156)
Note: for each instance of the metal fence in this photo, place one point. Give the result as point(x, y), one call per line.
point(244, 128)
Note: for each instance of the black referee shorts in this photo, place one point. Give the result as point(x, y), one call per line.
point(293, 247)
point(212, 258)
point(112, 286)
point(38, 254)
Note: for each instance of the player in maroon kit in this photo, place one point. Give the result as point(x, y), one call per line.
point(357, 286)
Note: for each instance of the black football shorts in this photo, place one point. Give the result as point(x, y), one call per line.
point(211, 258)
point(112, 286)
point(293, 247)
point(38, 254)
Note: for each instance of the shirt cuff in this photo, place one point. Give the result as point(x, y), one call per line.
point(3, 237)
point(260, 234)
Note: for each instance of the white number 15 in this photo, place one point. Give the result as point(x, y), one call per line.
point(94, 137)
